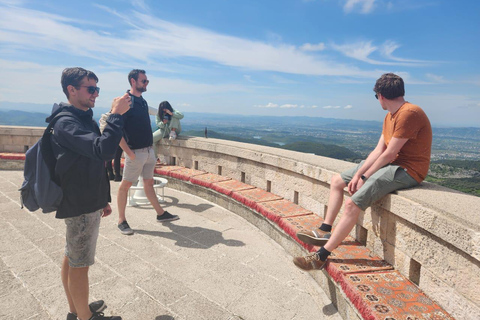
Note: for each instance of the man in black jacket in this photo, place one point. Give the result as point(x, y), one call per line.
point(81, 152)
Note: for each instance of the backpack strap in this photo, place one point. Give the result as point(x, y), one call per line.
point(46, 145)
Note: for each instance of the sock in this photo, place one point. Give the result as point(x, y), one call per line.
point(323, 253)
point(325, 227)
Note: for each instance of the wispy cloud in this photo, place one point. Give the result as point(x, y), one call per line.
point(285, 106)
point(362, 50)
point(157, 40)
point(436, 78)
point(366, 6)
point(140, 4)
point(313, 47)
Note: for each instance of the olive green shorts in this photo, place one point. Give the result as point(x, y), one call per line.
point(386, 180)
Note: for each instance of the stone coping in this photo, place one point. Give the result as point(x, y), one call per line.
point(352, 268)
point(443, 212)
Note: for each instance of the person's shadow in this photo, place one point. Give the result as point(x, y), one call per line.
point(204, 238)
point(175, 203)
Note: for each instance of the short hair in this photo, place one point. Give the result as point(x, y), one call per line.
point(390, 86)
point(134, 75)
point(74, 77)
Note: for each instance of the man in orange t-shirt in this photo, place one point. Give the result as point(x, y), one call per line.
point(400, 160)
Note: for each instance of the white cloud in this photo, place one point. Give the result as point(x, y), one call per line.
point(348, 106)
point(362, 50)
point(156, 40)
point(288, 106)
point(331, 107)
point(248, 78)
point(314, 107)
point(366, 6)
point(268, 105)
point(387, 49)
point(436, 78)
point(313, 47)
point(283, 106)
point(140, 4)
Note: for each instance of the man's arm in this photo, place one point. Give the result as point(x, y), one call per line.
point(387, 156)
point(126, 149)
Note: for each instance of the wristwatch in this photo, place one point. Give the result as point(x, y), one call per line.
point(363, 178)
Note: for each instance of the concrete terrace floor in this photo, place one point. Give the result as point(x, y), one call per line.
point(210, 264)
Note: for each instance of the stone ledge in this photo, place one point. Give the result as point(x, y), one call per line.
point(429, 206)
point(341, 270)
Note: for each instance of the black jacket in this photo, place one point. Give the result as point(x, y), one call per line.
point(81, 152)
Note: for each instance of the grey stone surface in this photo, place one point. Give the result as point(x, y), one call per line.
point(210, 264)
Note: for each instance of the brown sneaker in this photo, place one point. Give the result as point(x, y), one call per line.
point(316, 237)
point(309, 262)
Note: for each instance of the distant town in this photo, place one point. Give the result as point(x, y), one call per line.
point(455, 151)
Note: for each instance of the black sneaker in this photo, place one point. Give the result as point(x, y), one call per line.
point(125, 228)
point(101, 316)
point(95, 307)
point(166, 216)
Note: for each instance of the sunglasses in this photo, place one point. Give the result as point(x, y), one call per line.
point(91, 89)
point(376, 96)
point(145, 81)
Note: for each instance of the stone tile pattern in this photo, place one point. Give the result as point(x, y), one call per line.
point(207, 179)
point(400, 298)
point(275, 210)
point(389, 295)
point(229, 186)
point(185, 173)
point(376, 295)
point(352, 257)
point(252, 197)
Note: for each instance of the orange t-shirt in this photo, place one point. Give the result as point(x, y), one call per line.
point(410, 122)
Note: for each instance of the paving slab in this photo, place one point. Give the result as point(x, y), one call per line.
point(210, 264)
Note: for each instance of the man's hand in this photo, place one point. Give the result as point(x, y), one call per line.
point(106, 211)
point(131, 155)
point(355, 184)
point(120, 105)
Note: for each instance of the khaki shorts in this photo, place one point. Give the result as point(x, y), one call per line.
point(386, 180)
point(144, 165)
point(82, 235)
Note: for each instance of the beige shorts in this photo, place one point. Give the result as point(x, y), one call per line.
point(143, 164)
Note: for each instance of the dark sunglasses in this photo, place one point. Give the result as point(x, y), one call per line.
point(145, 81)
point(376, 96)
point(91, 89)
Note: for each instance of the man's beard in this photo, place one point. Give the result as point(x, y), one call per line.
point(141, 89)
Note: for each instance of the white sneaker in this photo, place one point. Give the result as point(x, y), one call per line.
point(173, 135)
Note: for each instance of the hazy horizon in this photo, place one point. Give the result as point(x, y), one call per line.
point(317, 58)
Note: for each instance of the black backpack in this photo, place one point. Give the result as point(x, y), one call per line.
point(40, 189)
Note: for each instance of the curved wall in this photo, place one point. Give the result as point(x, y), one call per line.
point(430, 234)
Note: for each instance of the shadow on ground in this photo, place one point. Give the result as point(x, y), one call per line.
point(204, 238)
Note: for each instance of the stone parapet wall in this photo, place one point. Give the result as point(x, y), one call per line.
point(18, 139)
point(430, 234)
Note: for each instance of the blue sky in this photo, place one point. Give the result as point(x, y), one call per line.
point(316, 58)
